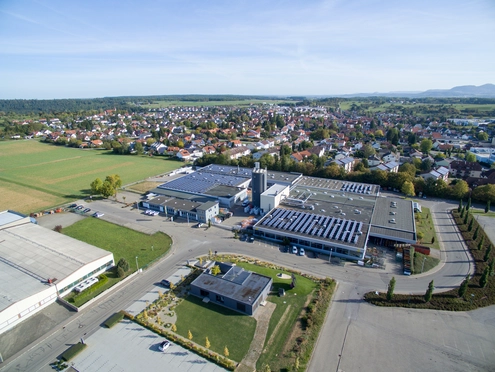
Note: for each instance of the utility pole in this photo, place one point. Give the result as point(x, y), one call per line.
point(137, 266)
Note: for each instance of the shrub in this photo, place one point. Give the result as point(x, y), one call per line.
point(58, 228)
point(72, 351)
point(123, 264)
point(120, 272)
point(114, 319)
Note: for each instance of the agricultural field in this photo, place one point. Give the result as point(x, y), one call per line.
point(36, 176)
point(159, 104)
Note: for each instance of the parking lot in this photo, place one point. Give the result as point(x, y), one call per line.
point(129, 347)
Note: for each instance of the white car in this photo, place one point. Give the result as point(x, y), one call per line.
point(301, 251)
point(164, 345)
point(294, 249)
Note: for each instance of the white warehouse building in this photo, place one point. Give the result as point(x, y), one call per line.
point(37, 265)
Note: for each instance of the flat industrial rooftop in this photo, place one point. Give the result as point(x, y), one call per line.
point(31, 254)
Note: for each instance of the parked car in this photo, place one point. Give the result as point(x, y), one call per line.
point(243, 238)
point(251, 239)
point(72, 205)
point(79, 207)
point(86, 210)
point(301, 251)
point(98, 214)
point(164, 345)
point(165, 283)
point(294, 249)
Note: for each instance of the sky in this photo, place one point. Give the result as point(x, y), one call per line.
point(84, 49)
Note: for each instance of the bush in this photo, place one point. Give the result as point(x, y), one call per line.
point(123, 264)
point(120, 272)
point(114, 319)
point(72, 351)
point(58, 228)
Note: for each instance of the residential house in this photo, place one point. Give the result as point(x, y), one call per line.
point(184, 155)
point(300, 155)
point(439, 173)
point(464, 169)
point(346, 163)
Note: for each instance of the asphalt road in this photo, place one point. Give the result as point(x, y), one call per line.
point(348, 318)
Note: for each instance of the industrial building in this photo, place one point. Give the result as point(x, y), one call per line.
point(37, 265)
point(322, 215)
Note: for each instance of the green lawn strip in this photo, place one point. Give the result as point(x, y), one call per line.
point(424, 224)
point(429, 263)
point(481, 212)
point(222, 326)
point(78, 299)
point(121, 241)
point(475, 296)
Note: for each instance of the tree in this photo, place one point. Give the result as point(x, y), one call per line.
point(207, 343)
point(215, 270)
point(470, 226)
point(426, 146)
point(462, 211)
point(120, 272)
point(463, 287)
point(58, 228)
point(429, 292)
point(487, 208)
point(482, 241)
point(420, 236)
point(123, 264)
point(96, 186)
point(460, 206)
point(468, 204)
point(487, 253)
point(491, 266)
point(189, 335)
point(432, 240)
point(466, 217)
point(368, 151)
point(226, 352)
point(173, 328)
point(476, 231)
point(484, 278)
point(391, 287)
point(408, 188)
point(459, 190)
point(482, 136)
point(470, 157)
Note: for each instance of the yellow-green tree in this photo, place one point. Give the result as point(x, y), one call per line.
point(408, 188)
point(215, 270)
point(207, 343)
point(226, 352)
point(189, 335)
point(174, 328)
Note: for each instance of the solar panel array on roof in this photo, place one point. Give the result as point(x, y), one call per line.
point(357, 188)
point(201, 182)
point(314, 224)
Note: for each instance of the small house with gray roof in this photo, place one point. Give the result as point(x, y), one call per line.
point(234, 288)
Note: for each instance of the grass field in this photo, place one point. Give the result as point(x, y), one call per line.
point(159, 104)
point(35, 175)
point(222, 326)
point(121, 241)
point(385, 107)
point(424, 224)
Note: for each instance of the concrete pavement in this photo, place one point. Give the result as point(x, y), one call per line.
point(348, 318)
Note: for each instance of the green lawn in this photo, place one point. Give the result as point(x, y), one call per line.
point(294, 299)
point(222, 326)
point(58, 174)
point(424, 224)
point(121, 241)
point(430, 263)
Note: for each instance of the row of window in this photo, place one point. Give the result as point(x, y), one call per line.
point(98, 269)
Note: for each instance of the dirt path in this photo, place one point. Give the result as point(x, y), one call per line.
point(262, 316)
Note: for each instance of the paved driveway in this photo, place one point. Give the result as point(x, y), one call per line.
point(129, 347)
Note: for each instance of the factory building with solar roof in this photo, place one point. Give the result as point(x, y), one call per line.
point(322, 215)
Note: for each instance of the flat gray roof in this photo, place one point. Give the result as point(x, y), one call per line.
point(238, 284)
point(394, 217)
point(31, 254)
point(7, 217)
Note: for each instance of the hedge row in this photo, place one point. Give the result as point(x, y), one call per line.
point(476, 296)
point(72, 351)
point(102, 280)
point(201, 351)
point(114, 319)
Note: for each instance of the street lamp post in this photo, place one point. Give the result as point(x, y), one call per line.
point(330, 257)
point(137, 266)
point(423, 265)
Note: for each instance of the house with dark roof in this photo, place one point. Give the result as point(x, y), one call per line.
point(234, 288)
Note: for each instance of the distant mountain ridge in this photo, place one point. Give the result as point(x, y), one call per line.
point(463, 91)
